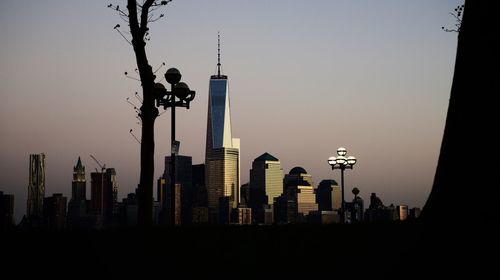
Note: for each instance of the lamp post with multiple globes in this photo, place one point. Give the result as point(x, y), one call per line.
point(342, 162)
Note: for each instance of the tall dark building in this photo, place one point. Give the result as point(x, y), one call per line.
point(222, 156)
point(103, 195)
point(77, 209)
point(6, 211)
point(328, 195)
point(183, 177)
point(54, 209)
point(200, 196)
point(199, 210)
point(36, 188)
point(299, 190)
point(266, 183)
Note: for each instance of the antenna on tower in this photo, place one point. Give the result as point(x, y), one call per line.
point(218, 53)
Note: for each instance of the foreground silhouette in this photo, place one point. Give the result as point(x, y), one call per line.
point(468, 167)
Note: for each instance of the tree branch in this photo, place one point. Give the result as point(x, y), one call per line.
point(144, 17)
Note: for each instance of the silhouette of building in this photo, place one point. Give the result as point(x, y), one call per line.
point(284, 210)
point(402, 211)
point(323, 217)
point(378, 212)
point(183, 177)
point(297, 174)
point(54, 209)
point(168, 206)
point(329, 196)
point(245, 193)
point(160, 190)
point(36, 189)
point(128, 210)
point(298, 189)
point(6, 211)
point(266, 183)
point(355, 210)
point(242, 215)
point(103, 196)
point(222, 155)
point(199, 210)
point(414, 213)
point(77, 207)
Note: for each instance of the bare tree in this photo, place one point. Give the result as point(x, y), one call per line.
point(138, 15)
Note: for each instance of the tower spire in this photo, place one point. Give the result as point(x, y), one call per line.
point(218, 53)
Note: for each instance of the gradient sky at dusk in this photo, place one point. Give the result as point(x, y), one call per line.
point(305, 78)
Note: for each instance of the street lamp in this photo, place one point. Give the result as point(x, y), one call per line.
point(167, 99)
point(342, 162)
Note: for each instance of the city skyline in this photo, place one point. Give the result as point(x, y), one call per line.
point(309, 86)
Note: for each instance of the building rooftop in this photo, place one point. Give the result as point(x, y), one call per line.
point(297, 171)
point(266, 157)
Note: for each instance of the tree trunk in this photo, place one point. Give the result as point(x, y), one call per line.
point(466, 187)
point(148, 113)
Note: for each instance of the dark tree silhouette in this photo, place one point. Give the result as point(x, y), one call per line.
point(466, 187)
point(139, 15)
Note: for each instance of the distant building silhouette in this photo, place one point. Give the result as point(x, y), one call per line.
point(245, 193)
point(168, 205)
point(36, 189)
point(414, 213)
point(199, 209)
point(183, 177)
point(242, 215)
point(266, 183)
point(222, 156)
point(377, 212)
point(402, 212)
point(128, 211)
point(6, 211)
point(299, 191)
point(284, 210)
point(104, 193)
point(355, 210)
point(77, 207)
point(54, 209)
point(329, 195)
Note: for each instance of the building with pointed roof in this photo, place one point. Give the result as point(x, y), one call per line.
point(222, 154)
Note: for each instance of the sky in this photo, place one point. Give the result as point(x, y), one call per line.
point(305, 77)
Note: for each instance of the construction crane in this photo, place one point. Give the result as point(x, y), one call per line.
point(103, 167)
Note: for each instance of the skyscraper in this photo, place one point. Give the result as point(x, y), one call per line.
point(222, 154)
point(183, 177)
point(103, 195)
point(77, 205)
point(328, 195)
point(266, 183)
point(36, 187)
point(55, 211)
point(6, 211)
point(266, 173)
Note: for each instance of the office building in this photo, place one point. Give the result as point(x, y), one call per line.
point(298, 188)
point(77, 210)
point(6, 211)
point(54, 209)
point(402, 212)
point(266, 183)
point(36, 188)
point(329, 196)
point(222, 154)
point(184, 178)
point(103, 196)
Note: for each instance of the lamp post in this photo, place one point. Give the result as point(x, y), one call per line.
point(167, 99)
point(342, 162)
